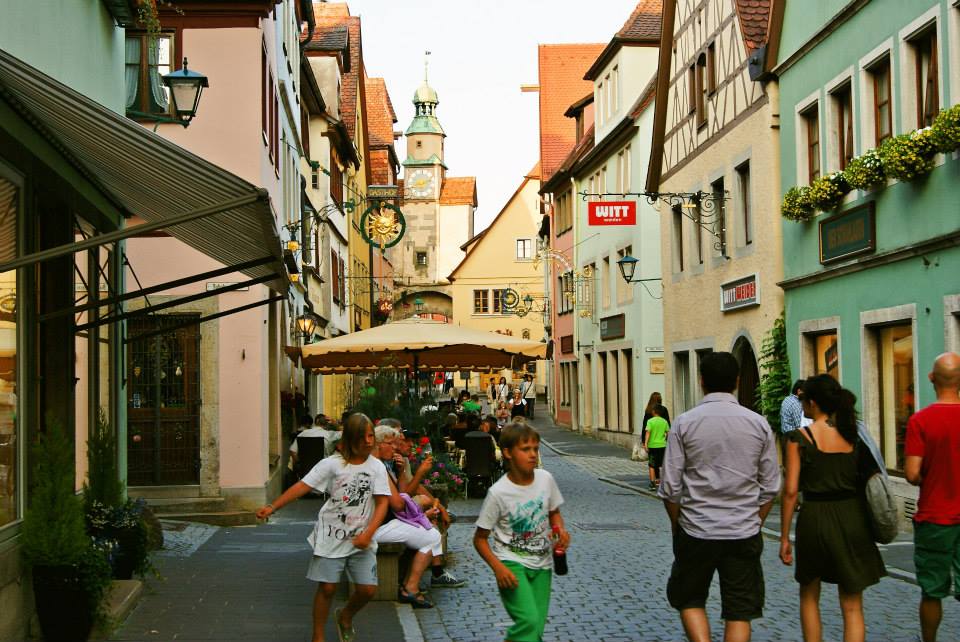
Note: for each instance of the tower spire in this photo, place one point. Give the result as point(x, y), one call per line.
point(426, 65)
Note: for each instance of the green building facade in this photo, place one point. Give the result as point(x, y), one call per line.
point(872, 282)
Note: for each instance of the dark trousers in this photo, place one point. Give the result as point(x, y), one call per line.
point(530, 403)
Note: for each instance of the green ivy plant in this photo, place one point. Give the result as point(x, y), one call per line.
point(775, 378)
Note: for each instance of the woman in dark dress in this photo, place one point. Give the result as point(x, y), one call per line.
point(833, 537)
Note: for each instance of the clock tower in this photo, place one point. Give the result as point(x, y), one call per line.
point(438, 208)
point(424, 168)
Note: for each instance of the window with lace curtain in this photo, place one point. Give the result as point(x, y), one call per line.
point(147, 61)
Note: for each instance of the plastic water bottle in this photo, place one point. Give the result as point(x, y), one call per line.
point(559, 554)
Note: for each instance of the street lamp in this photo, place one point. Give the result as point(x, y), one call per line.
point(306, 324)
point(627, 265)
point(528, 301)
point(418, 304)
point(185, 88)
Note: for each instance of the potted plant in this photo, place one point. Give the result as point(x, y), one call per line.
point(946, 130)
point(118, 524)
point(906, 157)
point(796, 204)
point(828, 191)
point(865, 171)
point(70, 575)
point(445, 480)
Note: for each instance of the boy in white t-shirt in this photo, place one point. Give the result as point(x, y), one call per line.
point(522, 511)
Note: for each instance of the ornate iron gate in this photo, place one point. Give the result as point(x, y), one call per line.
point(163, 402)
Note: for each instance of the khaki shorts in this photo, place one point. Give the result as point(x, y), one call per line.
point(361, 568)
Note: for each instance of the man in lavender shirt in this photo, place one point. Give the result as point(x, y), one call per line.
point(720, 477)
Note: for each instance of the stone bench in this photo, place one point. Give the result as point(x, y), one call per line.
point(393, 561)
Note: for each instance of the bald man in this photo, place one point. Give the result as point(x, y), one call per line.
point(933, 463)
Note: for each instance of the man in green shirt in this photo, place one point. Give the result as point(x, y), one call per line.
point(656, 443)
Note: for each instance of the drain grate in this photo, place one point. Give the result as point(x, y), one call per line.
point(601, 526)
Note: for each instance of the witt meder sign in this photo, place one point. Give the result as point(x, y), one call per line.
point(738, 294)
point(612, 213)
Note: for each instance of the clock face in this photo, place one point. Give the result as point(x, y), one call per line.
point(420, 183)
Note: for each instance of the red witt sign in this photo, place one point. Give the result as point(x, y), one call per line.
point(612, 213)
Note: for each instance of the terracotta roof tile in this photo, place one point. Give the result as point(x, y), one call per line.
point(459, 191)
point(754, 21)
point(644, 22)
point(380, 114)
point(561, 69)
point(534, 172)
point(337, 14)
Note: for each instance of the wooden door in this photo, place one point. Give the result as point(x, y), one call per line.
point(163, 402)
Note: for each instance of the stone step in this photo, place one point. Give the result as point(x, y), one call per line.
point(164, 507)
point(216, 518)
point(121, 598)
point(163, 492)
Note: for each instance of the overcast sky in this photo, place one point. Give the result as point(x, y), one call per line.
point(481, 52)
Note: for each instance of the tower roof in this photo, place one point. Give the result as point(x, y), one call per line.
point(425, 94)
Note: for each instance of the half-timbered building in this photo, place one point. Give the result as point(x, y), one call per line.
point(715, 135)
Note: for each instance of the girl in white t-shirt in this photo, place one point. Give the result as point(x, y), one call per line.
point(342, 540)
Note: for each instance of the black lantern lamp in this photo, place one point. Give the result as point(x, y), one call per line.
point(627, 265)
point(528, 301)
point(185, 89)
point(418, 304)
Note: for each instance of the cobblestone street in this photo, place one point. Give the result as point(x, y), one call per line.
point(619, 562)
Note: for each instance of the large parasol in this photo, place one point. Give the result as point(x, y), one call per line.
point(423, 344)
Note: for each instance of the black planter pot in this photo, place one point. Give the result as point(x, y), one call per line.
point(63, 605)
point(126, 557)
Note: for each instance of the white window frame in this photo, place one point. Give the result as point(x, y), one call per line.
point(527, 246)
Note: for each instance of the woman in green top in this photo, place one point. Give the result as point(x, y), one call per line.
point(656, 443)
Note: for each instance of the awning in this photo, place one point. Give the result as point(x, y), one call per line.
point(145, 175)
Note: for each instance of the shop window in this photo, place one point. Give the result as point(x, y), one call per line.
point(897, 400)
point(826, 354)
point(10, 448)
point(147, 61)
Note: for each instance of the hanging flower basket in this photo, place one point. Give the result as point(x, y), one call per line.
point(828, 191)
point(866, 171)
point(905, 157)
point(797, 205)
point(946, 130)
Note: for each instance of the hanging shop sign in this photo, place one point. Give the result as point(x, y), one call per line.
point(848, 234)
point(741, 293)
point(614, 327)
point(612, 213)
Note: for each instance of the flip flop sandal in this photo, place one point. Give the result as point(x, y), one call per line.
point(346, 634)
point(416, 600)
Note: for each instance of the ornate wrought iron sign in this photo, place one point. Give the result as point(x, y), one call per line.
point(382, 225)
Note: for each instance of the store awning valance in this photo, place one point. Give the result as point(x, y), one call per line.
point(145, 175)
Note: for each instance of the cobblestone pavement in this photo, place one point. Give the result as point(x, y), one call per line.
point(244, 583)
point(619, 561)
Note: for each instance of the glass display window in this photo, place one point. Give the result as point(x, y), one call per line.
point(10, 457)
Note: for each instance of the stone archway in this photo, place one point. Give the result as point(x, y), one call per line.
point(749, 373)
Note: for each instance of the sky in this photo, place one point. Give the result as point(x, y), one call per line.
point(482, 51)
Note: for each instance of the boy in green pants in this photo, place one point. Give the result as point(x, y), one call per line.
point(522, 510)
